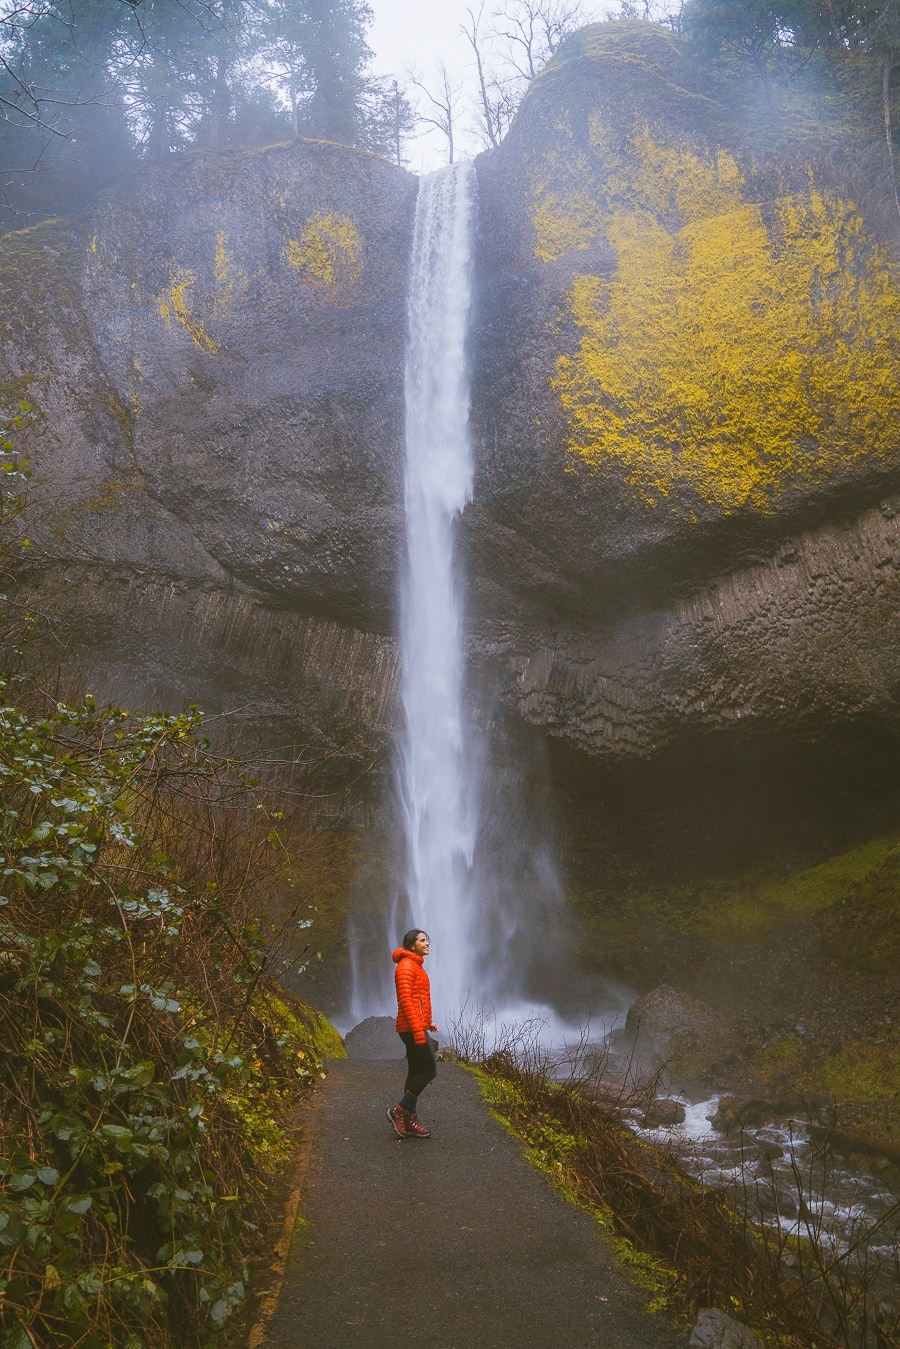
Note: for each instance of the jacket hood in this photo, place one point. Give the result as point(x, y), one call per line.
point(402, 952)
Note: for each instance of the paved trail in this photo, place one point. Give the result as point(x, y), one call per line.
point(452, 1242)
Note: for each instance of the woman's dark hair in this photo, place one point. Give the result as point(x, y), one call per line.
point(409, 939)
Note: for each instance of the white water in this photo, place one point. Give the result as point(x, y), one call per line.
point(436, 774)
point(488, 925)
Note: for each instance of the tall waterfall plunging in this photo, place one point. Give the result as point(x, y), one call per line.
point(485, 889)
point(436, 780)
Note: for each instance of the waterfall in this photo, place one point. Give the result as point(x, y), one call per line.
point(436, 775)
point(512, 897)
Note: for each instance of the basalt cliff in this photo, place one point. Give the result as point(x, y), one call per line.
point(683, 554)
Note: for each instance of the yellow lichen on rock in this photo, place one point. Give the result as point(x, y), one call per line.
point(174, 304)
point(563, 224)
point(565, 211)
point(230, 280)
point(739, 349)
point(328, 255)
point(674, 183)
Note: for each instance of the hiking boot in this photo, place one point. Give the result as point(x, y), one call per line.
point(415, 1128)
point(400, 1119)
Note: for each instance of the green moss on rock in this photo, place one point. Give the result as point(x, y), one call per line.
point(757, 904)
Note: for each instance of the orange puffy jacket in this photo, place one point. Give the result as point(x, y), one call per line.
point(413, 994)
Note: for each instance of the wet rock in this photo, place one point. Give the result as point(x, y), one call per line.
point(733, 1113)
point(716, 1330)
point(664, 1113)
point(883, 1151)
point(618, 625)
point(220, 506)
point(374, 1038)
point(673, 1031)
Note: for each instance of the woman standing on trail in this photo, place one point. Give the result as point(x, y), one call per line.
point(413, 1024)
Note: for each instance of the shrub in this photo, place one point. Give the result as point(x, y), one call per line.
point(146, 1062)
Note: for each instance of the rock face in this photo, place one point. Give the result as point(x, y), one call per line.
point(686, 507)
point(685, 530)
point(216, 356)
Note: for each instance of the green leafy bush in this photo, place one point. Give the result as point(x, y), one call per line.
point(145, 1061)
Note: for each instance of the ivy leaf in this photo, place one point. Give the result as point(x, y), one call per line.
point(17, 1339)
point(119, 1135)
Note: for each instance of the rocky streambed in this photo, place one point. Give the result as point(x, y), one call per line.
point(826, 1194)
point(795, 1173)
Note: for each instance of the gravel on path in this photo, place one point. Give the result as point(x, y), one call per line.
point(451, 1242)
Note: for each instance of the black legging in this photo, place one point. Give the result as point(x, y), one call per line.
point(422, 1067)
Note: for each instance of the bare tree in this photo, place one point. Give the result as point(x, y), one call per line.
point(510, 45)
point(471, 32)
point(27, 101)
point(653, 11)
point(388, 118)
point(444, 105)
point(534, 29)
point(497, 97)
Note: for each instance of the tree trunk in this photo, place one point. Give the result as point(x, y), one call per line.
point(158, 144)
point(219, 108)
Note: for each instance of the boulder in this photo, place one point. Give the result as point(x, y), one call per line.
point(676, 1033)
point(756, 1112)
point(374, 1038)
point(716, 1330)
point(663, 1113)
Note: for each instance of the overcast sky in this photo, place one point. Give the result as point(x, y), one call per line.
point(412, 36)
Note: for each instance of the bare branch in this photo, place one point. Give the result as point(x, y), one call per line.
point(470, 32)
point(534, 30)
point(444, 104)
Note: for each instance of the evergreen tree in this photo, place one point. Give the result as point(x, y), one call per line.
point(63, 133)
point(87, 87)
point(174, 60)
point(319, 48)
point(388, 119)
point(336, 57)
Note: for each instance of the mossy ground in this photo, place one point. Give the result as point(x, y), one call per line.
point(36, 271)
point(757, 903)
point(854, 889)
